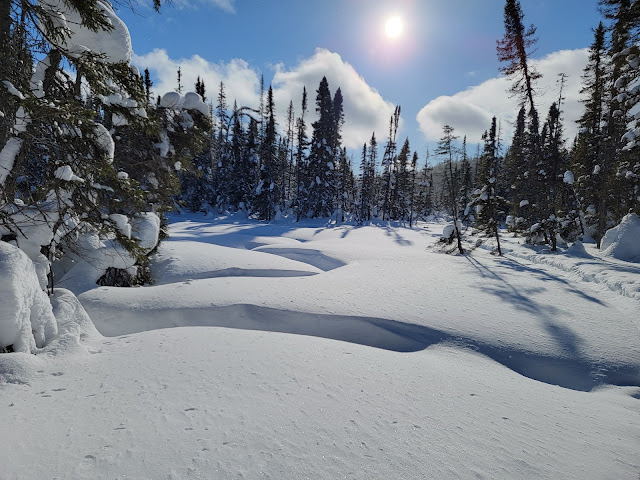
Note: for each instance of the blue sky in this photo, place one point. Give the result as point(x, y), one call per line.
point(442, 69)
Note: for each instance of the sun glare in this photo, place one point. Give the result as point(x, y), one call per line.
point(394, 27)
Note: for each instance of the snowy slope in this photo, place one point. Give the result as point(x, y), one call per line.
point(218, 403)
point(339, 352)
point(390, 292)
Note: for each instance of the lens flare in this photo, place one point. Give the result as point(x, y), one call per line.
point(394, 27)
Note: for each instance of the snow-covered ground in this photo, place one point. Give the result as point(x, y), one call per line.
point(338, 352)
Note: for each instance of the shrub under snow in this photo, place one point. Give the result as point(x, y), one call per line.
point(26, 317)
point(146, 228)
point(623, 241)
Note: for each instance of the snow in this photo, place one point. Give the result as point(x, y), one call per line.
point(89, 258)
point(320, 351)
point(65, 173)
point(8, 156)
point(13, 146)
point(193, 101)
point(146, 228)
point(449, 230)
point(12, 90)
point(33, 228)
point(122, 223)
point(623, 241)
point(171, 100)
point(164, 144)
point(114, 45)
point(568, 177)
point(104, 141)
point(26, 318)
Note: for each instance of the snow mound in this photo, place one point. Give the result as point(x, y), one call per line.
point(577, 250)
point(449, 230)
point(185, 260)
point(193, 101)
point(74, 324)
point(623, 241)
point(26, 317)
point(171, 100)
point(90, 257)
point(146, 228)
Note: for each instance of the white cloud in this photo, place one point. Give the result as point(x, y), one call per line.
point(226, 5)
point(241, 81)
point(471, 110)
point(364, 108)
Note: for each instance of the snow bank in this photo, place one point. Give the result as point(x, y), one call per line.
point(26, 317)
point(190, 260)
point(623, 241)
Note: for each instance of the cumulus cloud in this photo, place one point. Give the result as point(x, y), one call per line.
point(364, 108)
point(241, 81)
point(471, 110)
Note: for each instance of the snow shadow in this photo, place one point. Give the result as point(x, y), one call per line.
point(569, 370)
point(312, 257)
point(510, 293)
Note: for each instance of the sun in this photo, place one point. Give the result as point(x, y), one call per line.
point(394, 27)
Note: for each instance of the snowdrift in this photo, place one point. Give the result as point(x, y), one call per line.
point(623, 241)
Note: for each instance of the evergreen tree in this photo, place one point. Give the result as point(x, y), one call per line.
point(54, 135)
point(389, 160)
point(514, 49)
point(465, 178)
point(367, 179)
point(412, 204)
point(302, 176)
point(487, 202)
point(401, 193)
point(322, 158)
point(446, 149)
point(425, 192)
point(590, 149)
point(267, 191)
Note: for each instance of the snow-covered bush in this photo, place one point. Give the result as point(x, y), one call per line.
point(26, 317)
point(623, 241)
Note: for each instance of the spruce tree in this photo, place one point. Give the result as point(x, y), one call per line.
point(486, 201)
point(446, 149)
point(302, 176)
point(514, 49)
point(322, 158)
point(389, 160)
point(267, 191)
